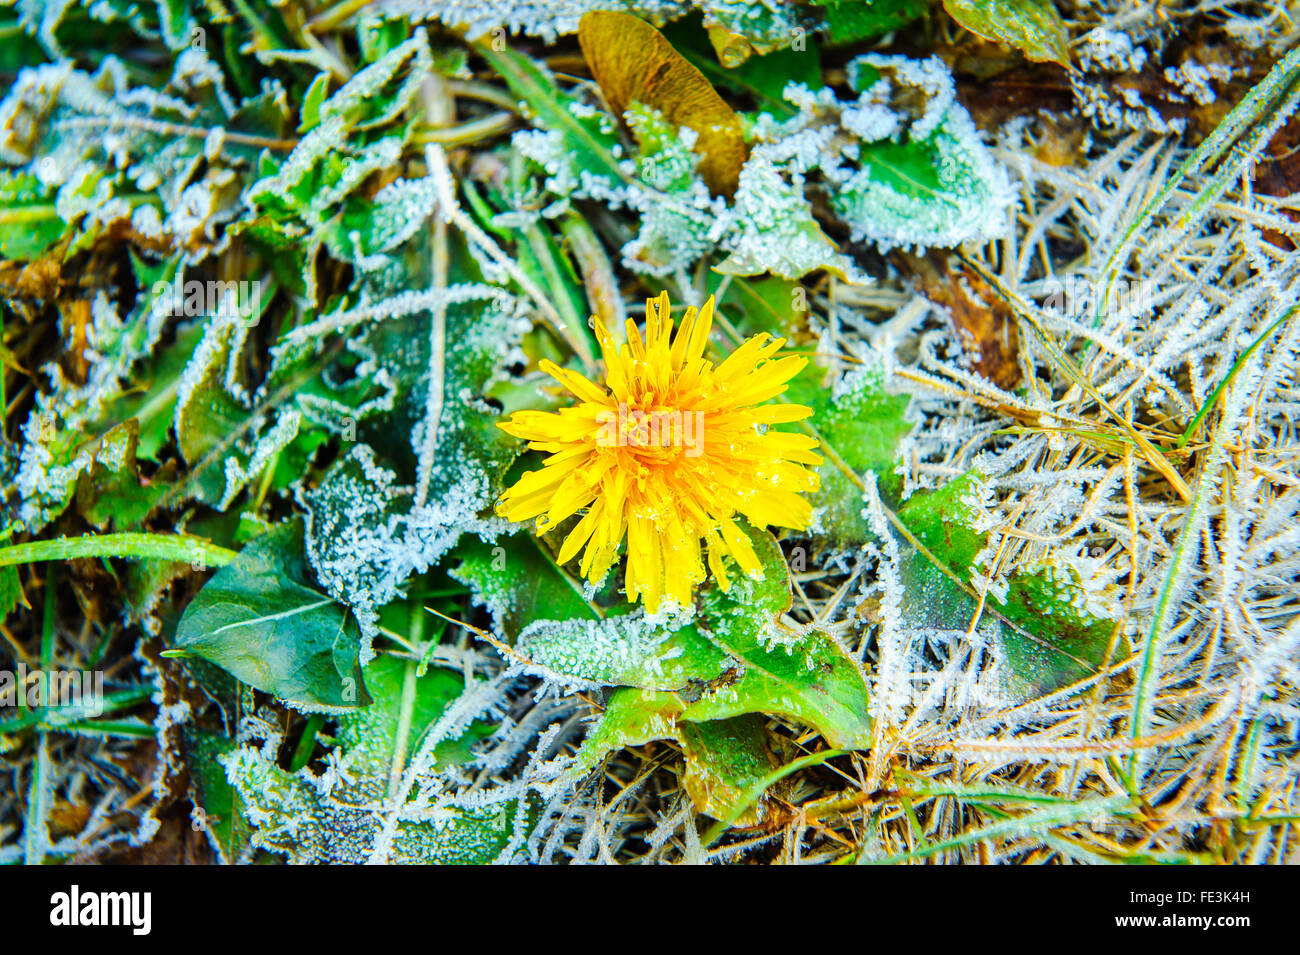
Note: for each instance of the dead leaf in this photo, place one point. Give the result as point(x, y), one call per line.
point(631, 61)
point(984, 323)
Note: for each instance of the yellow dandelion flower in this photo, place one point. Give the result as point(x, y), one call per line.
point(666, 454)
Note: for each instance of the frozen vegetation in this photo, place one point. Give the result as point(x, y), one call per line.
point(999, 561)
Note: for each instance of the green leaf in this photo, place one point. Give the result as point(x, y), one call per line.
point(311, 103)
point(562, 634)
point(378, 94)
point(296, 815)
point(367, 531)
point(864, 424)
point(260, 620)
point(1049, 603)
point(587, 138)
point(725, 760)
point(673, 233)
point(111, 491)
point(150, 397)
point(936, 190)
point(632, 718)
point(768, 304)
point(923, 176)
point(803, 675)
point(29, 223)
point(776, 231)
point(849, 21)
point(518, 582)
point(219, 810)
point(733, 658)
point(1032, 26)
point(373, 735)
point(217, 424)
point(11, 591)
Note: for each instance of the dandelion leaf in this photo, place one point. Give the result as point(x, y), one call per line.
point(336, 817)
point(1067, 634)
point(219, 810)
point(632, 717)
point(260, 619)
point(367, 530)
point(725, 760)
point(864, 424)
point(536, 606)
point(775, 229)
point(111, 492)
point(518, 584)
point(803, 675)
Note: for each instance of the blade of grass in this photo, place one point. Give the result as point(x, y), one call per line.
point(180, 548)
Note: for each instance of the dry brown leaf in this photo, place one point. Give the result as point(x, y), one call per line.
point(632, 61)
point(983, 322)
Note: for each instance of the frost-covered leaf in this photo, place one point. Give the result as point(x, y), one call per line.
point(217, 422)
point(260, 619)
point(229, 434)
point(115, 155)
point(576, 143)
point(308, 199)
point(519, 583)
point(1068, 627)
point(864, 423)
point(537, 606)
point(931, 182)
point(219, 811)
point(678, 217)
point(733, 658)
point(149, 393)
point(632, 717)
point(111, 491)
point(378, 94)
point(373, 522)
point(775, 230)
point(903, 163)
point(802, 674)
point(336, 817)
point(750, 25)
point(367, 228)
point(1032, 26)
